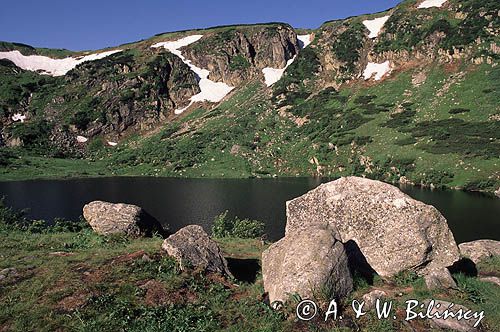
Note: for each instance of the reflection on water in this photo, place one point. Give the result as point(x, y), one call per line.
point(180, 202)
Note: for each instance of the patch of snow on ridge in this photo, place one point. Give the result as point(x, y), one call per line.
point(379, 69)
point(18, 117)
point(431, 3)
point(210, 91)
point(375, 25)
point(49, 66)
point(112, 143)
point(304, 40)
point(273, 75)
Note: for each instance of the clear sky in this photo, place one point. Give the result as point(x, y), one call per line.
point(95, 24)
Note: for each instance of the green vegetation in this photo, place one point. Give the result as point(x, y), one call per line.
point(68, 278)
point(305, 66)
point(239, 62)
point(408, 27)
point(348, 45)
point(223, 227)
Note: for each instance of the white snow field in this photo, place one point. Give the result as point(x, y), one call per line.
point(210, 91)
point(18, 117)
point(431, 3)
point(49, 66)
point(112, 143)
point(304, 40)
point(375, 25)
point(81, 139)
point(273, 75)
point(379, 69)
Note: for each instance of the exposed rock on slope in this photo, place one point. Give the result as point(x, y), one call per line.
point(236, 55)
point(393, 231)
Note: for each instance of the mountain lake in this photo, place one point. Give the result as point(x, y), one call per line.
point(179, 202)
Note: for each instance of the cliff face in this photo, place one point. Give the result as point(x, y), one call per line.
point(105, 97)
point(234, 56)
point(134, 89)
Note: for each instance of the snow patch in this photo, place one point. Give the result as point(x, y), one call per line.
point(49, 66)
point(18, 117)
point(304, 40)
point(431, 3)
point(273, 75)
point(210, 91)
point(81, 139)
point(112, 143)
point(375, 25)
point(379, 69)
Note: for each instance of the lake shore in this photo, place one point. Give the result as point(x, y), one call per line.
point(39, 168)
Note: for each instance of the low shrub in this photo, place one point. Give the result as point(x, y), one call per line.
point(458, 110)
point(240, 228)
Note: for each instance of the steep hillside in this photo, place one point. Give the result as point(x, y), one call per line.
point(408, 95)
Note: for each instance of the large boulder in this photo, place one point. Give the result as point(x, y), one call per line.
point(480, 249)
point(109, 218)
point(192, 247)
point(306, 262)
point(393, 231)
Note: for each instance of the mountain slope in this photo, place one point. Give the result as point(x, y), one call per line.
point(408, 95)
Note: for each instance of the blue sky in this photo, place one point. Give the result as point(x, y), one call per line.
point(95, 24)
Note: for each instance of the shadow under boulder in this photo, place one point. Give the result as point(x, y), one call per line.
point(244, 269)
point(464, 266)
point(357, 262)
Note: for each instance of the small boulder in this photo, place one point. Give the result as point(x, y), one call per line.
point(493, 280)
point(235, 149)
point(480, 249)
point(439, 279)
point(393, 231)
point(8, 273)
point(306, 263)
point(450, 323)
point(370, 299)
point(192, 247)
point(109, 218)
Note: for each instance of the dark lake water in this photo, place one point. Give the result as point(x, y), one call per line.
point(180, 202)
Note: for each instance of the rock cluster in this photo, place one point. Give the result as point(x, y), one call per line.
point(393, 232)
point(126, 219)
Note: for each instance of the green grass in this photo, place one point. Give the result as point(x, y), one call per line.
point(80, 281)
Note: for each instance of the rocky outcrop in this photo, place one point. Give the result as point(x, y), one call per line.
point(237, 54)
point(480, 249)
point(393, 231)
point(108, 218)
point(192, 248)
point(306, 262)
